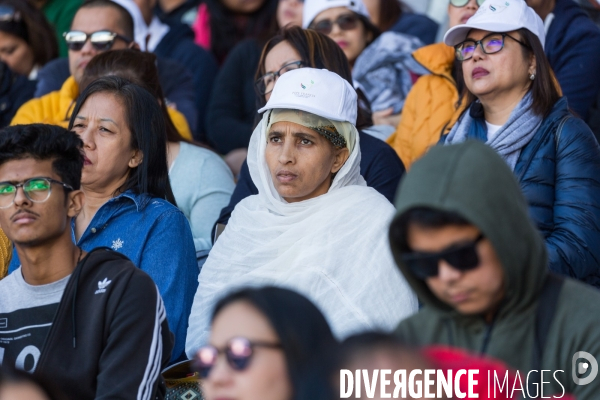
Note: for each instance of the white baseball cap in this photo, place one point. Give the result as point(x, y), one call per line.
point(499, 16)
point(317, 91)
point(312, 8)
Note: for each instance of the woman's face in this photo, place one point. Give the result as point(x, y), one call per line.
point(289, 13)
point(102, 125)
point(16, 53)
point(279, 56)
point(460, 15)
point(243, 6)
point(266, 377)
point(500, 75)
point(301, 161)
point(352, 41)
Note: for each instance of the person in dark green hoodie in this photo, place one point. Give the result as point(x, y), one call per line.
point(463, 239)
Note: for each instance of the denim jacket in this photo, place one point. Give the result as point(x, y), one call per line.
point(156, 236)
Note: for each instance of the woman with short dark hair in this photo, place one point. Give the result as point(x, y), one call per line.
point(514, 105)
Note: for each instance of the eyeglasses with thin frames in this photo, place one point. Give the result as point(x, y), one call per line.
point(266, 83)
point(36, 189)
point(490, 44)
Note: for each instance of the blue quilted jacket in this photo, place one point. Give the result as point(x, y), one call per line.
point(559, 173)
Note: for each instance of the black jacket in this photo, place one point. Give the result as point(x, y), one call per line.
point(232, 106)
point(109, 338)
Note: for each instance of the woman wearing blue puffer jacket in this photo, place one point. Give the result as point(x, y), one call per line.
point(515, 107)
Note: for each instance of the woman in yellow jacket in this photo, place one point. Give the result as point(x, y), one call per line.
point(431, 105)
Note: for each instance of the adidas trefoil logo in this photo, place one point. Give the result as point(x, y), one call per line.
point(102, 286)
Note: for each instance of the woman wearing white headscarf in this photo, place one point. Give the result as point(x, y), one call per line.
point(315, 227)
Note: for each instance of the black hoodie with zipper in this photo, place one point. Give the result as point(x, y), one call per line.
point(109, 338)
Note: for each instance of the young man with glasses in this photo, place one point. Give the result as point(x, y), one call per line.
point(464, 241)
point(92, 323)
point(98, 26)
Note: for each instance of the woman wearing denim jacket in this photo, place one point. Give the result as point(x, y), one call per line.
point(514, 105)
point(129, 203)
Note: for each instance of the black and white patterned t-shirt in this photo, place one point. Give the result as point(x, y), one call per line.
point(26, 315)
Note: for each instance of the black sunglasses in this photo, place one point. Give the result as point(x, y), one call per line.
point(462, 3)
point(238, 352)
point(462, 257)
point(101, 40)
point(346, 22)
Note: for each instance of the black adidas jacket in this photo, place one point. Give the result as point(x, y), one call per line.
point(110, 338)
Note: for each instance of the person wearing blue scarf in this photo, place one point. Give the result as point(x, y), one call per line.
point(514, 105)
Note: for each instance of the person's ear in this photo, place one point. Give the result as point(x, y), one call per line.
point(532, 65)
point(134, 46)
point(136, 159)
point(341, 156)
point(75, 200)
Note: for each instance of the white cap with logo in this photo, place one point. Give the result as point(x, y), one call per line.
point(312, 8)
point(317, 91)
point(499, 16)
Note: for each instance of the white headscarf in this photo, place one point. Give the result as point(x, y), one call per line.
point(333, 249)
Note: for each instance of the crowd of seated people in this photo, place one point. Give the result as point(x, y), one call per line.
point(255, 199)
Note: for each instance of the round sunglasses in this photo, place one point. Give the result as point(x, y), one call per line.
point(346, 22)
point(462, 3)
point(238, 352)
point(100, 40)
point(425, 265)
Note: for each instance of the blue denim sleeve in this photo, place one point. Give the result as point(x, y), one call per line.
point(169, 257)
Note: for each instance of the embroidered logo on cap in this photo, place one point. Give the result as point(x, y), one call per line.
point(307, 86)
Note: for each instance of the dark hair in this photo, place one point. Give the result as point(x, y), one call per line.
point(390, 12)
point(302, 329)
point(544, 88)
point(369, 27)
point(45, 142)
point(316, 50)
point(125, 20)
point(138, 68)
point(226, 30)
point(147, 125)
point(34, 29)
point(425, 217)
point(17, 377)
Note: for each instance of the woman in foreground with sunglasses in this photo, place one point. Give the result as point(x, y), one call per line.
point(431, 105)
point(264, 344)
point(381, 64)
point(514, 105)
point(314, 226)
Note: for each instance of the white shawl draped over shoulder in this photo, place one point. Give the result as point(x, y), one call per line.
point(333, 249)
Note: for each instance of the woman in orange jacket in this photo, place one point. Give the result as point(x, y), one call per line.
point(431, 107)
